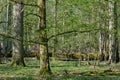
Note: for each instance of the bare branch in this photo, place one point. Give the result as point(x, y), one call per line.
point(61, 34)
point(74, 31)
point(12, 37)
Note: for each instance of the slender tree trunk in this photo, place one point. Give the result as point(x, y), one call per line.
point(102, 33)
point(0, 54)
point(116, 32)
point(4, 28)
point(38, 45)
point(17, 55)
point(44, 57)
point(55, 23)
point(113, 39)
point(9, 22)
point(101, 46)
point(6, 42)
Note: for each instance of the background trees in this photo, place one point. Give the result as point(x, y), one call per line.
point(62, 27)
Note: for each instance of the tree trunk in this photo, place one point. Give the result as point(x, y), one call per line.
point(102, 33)
point(55, 23)
point(6, 46)
point(44, 57)
point(116, 32)
point(101, 46)
point(113, 38)
point(0, 54)
point(17, 55)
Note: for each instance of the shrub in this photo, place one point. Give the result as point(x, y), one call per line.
point(93, 56)
point(62, 55)
point(80, 56)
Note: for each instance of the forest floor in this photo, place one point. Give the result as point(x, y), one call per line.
point(62, 70)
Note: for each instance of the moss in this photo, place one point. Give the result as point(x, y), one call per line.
point(15, 63)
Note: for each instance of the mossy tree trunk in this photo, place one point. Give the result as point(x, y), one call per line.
point(17, 54)
point(44, 57)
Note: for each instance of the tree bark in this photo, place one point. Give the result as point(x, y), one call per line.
point(55, 23)
point(102, 33)
point(0, 54)
point(6, 43)
point(113, 38)
point(44, 57)
point(17, 55)
point(116, 31)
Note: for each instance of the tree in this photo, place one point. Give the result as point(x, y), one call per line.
point(55, 23)
point(17, 54)
point(6, 43)
point(102, 33)
point(0, 53)
point(113, 28)
point(44, 57)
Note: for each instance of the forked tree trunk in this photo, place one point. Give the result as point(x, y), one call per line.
point(44, 57)
point(17, 55)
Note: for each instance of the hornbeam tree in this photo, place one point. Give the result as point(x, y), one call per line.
point(44, 57)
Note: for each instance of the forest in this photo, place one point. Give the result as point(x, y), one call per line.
point(59, 39)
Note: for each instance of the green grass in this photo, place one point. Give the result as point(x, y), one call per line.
point(76, 71)
point(20, 78)
point(83, 78)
